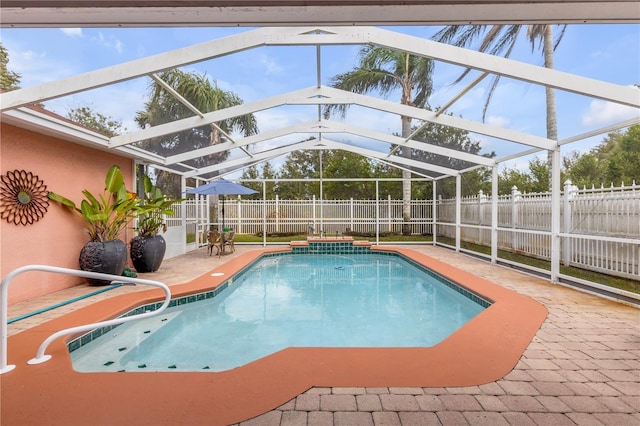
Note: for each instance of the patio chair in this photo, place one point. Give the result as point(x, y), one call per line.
point(228, 241)
point(214, 240)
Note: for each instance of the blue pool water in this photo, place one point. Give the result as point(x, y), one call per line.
point(302, 300)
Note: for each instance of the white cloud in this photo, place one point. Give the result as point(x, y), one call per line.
point(495, 120)
point(36, 67)
point(602, 112)
point(109, 42)
point(72, 32)
point(269, 65)
point(483, 141)
point(118, 46)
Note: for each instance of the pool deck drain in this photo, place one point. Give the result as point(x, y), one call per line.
point(581, 367)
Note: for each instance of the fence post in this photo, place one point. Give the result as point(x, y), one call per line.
point(458, 210)
point(515, 197)
point(239, 210)
point(277, 214)
point(314, 212)
point(494, 214)
point(481, 199)
point(569, 192)
point(434, 214)
point(389, 213)
point(351, 214)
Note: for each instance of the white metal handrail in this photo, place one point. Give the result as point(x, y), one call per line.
point(40, 355)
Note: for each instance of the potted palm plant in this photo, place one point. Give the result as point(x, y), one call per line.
point(106, 216)
point(148, 247)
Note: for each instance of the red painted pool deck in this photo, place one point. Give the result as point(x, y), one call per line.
point(541, 354)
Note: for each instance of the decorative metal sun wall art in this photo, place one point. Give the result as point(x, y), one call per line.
point(23, 197)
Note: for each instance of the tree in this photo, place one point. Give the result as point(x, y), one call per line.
point(393, 188)
point(268, 172)
point(162, 108)
point(303, 164)
point(615, 160)
point(510, 178)
point(459, 140)
point(9, 80)
point(336, 164)
point(388, 71)
point(102, 124)
point(501, 40)
point(344, 164)
point(252, 173)
point(624, 162)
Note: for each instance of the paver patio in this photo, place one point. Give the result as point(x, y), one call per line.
point(582, 367)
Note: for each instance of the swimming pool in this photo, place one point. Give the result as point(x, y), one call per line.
point(288, 300)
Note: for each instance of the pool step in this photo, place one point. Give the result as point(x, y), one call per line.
point(109, 349)
point(331, 245)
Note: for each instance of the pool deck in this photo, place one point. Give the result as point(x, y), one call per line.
point(582, 366)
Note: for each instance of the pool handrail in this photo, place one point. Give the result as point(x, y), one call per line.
point(40, 355)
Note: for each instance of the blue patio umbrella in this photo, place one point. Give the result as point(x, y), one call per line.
point(221, 187)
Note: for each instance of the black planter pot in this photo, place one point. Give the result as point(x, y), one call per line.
point(108, 257)
point(147, 253)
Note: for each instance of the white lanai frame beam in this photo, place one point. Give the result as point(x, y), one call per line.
point(321, 36)
point(318, 144)
point(242, 162)
point(326, 127)
point(318, 36)
point(326, 95)
point(383, 156)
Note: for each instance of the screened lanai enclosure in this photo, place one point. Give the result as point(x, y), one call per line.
point(566, 226)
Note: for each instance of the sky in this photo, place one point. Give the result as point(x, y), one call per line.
point(609, 53)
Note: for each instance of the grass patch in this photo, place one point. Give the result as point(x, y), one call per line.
point(572, 271)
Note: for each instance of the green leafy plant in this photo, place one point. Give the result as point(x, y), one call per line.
point(109, 213)
point(154, 207)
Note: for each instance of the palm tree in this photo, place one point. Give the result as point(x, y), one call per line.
point(501, 40)
point(387, 71)
point(162, 107)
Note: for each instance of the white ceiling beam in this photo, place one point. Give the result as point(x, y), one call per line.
point(472, 59)
point(257, 157)
point(325, 127)
point(321, 36)
point(602, 130)
point(418, 145)
point(253, 139)
point(330, 144)
point(507, 67)
point(443, 119)
point(328, 95)
point(214, 116)
point(137, 68)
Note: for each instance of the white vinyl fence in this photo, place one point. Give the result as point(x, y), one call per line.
point(600, 227)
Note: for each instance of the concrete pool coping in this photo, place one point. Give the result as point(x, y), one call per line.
point(483, 351)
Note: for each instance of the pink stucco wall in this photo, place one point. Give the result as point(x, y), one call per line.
point(56, 239)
